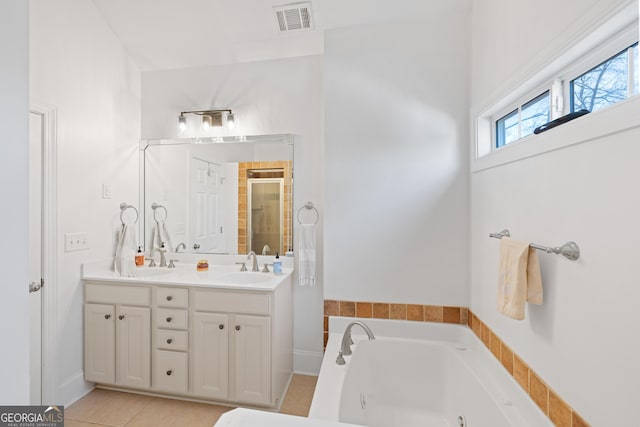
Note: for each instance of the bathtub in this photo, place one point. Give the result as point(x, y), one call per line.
point(418, 374)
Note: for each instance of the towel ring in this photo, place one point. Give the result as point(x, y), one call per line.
point(123, 207)
point(308, 206)
point(155, 207)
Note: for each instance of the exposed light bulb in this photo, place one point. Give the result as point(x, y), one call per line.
point(182, 124)
point(206, 122)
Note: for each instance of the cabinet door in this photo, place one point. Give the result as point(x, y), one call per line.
point(99, 343)
point(252, 358)
point(211, 355)
point(133, 346)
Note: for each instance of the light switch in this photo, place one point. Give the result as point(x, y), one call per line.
point(76, 242)
point(106, 191)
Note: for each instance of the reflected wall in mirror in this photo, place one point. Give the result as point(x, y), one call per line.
point(225, 195)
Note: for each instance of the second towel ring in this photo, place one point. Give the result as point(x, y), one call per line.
point(308, 206)
point(155, 208)
point(123, 207)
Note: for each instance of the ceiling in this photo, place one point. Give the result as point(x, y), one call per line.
point(167, 34)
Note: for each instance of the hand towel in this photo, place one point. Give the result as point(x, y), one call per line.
point(519, 278)
point(160, 235)
point(307, 255)
point(124, 260)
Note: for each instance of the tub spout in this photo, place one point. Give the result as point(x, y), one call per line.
point(345, 348)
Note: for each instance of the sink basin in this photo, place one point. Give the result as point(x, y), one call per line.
point(246, 277)
point(151, 271)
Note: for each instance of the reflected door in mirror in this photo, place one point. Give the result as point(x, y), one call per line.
point(206, 230)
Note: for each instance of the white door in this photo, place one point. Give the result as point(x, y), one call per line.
point(211, 355)
point(206, 207)
point(252, 358)
point(133, 346)
point(99, 343)
point(36, 138)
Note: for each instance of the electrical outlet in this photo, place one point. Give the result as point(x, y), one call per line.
point(76, 242)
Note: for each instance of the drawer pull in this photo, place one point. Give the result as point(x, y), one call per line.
point(169, 372)
point(237, 327)
point(221, 326)
point(169, 319)
point(107, 316)
point(170, 340)
point(169, 297)
point(121, 317)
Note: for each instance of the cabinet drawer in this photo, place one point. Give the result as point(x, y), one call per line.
point(172, 297)
point(170, 373)
point(171, 340)
point(112, 294)
point(171, 319)
point(232, 302)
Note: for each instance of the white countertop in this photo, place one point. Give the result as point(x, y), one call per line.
point(185, 274)
point(251, 418)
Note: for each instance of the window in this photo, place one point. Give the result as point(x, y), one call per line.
point(521, 122)
point(607, 83)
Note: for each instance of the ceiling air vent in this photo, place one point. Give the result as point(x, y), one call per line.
point(295, 16)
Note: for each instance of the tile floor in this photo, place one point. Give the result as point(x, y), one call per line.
point(105, 408)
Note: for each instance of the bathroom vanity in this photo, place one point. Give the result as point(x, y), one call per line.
point(220, 335)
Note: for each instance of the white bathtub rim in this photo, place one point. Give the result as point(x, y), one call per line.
point(503, 389)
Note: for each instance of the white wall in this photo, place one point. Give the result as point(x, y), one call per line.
point(583, 341)
point(79, 67)
point(396, 176)
point(270, 97)
point(14, 169)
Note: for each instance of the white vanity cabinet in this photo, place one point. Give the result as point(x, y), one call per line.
point(117, 335)
point(203, 342)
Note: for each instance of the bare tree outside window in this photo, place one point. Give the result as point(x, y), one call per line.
point(603, 85)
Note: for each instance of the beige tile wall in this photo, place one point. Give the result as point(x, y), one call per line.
point(558, 411)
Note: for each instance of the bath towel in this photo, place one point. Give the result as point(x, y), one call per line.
point(519, 278)
point(160, 235)
point(307, 255)
point(124, 259)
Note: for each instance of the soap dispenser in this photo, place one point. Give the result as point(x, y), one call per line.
point(277, 264)
point(139, 257)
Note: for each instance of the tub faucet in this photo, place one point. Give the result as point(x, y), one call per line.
point(345, 348)
point(181, 245)
point(255, 261)
point(163, 258)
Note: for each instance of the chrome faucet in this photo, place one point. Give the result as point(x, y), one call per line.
point(163, 258)
point(181, 245)
point(255, 261)
point(345, 348)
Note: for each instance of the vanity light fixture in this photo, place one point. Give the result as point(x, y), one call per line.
point(210, 118)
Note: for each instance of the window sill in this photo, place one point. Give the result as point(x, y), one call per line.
point(617, 118)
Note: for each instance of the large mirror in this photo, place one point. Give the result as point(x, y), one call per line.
point(223, 195)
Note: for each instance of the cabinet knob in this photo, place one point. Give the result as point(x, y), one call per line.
point(169, 297)
point(121, 317)
point(237, 327)
point(168, 319)
point(169, 372)
point(221, 326)
point(107, 316)
point(170, 340)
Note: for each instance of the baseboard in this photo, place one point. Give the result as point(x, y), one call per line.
point(307, 362)
point(72, 389)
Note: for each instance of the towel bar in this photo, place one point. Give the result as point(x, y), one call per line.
point(569, 250)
